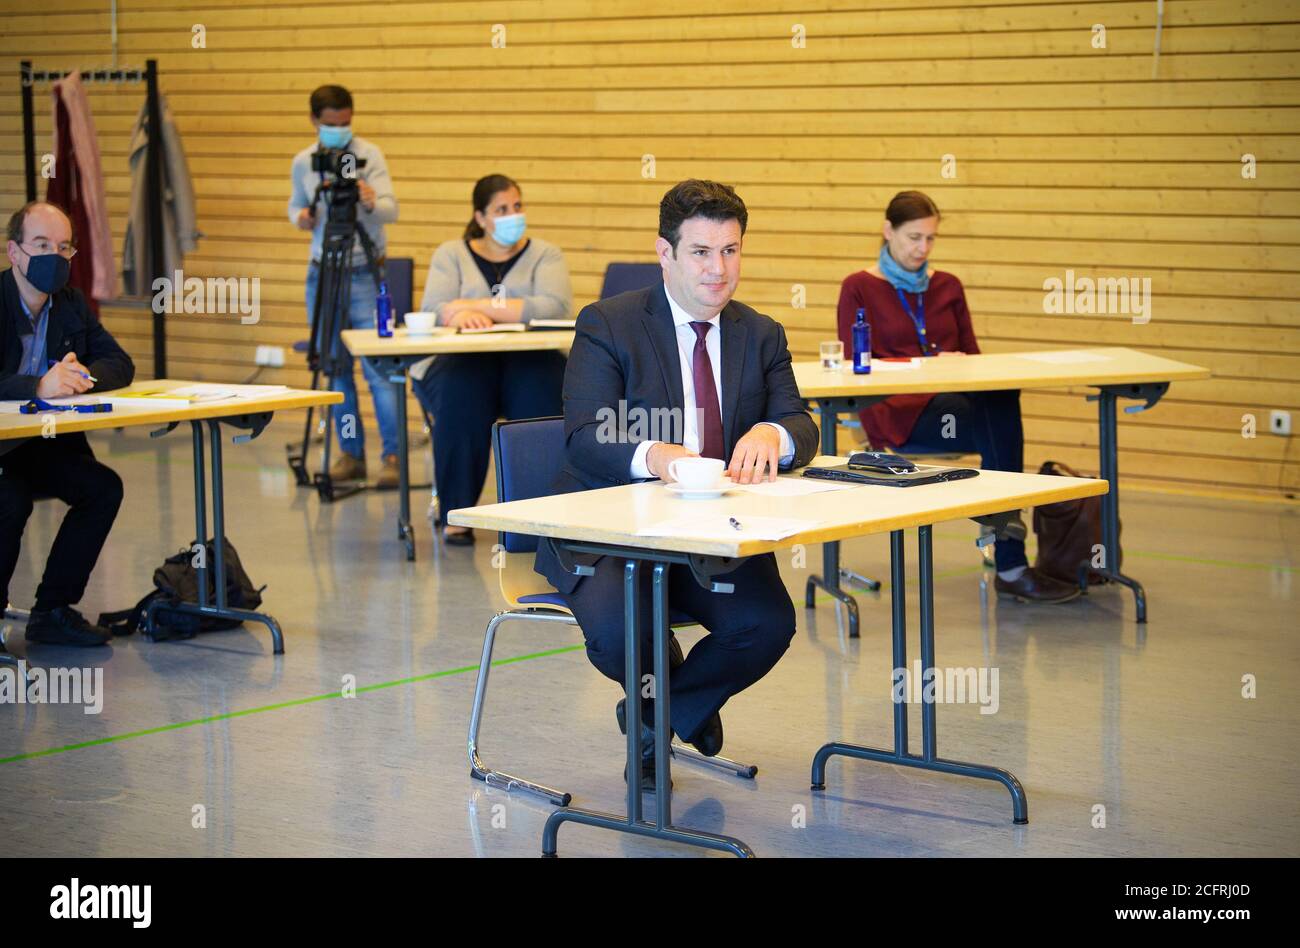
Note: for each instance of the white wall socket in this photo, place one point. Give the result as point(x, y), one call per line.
point(1279, 422)
point(272, 356)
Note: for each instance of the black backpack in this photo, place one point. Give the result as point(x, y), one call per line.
point(177, 581)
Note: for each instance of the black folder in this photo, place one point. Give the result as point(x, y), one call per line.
point(924, 474)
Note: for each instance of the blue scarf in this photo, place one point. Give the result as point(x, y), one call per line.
point(913, 281)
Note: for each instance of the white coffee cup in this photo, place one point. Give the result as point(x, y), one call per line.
point(697, 473)
point(420, 324)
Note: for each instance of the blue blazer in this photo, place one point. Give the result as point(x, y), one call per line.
point(625, 349)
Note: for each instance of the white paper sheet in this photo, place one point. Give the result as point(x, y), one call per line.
point(213, 391)
point(495, 327)
point(880, 365)
point(791, 487)
point(720, 528)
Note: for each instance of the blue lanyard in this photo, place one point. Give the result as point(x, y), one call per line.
point(918, 319)
point(39, 405)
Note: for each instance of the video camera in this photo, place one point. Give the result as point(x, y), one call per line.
point(335, 161)
point(341, 192)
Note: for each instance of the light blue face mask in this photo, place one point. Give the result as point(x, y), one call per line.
point(508, 230)
point(335, 136)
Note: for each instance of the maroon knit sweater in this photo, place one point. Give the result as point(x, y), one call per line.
point(947, 327)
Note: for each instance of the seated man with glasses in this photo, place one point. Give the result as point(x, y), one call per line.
point(52, 346)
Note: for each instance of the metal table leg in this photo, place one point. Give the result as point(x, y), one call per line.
point(7, 659)
point(404, 532)
point(830, 578)
point(634, 823)
point(394, 369)
point(1108, 447)
point(220, 609)
point(929, 759)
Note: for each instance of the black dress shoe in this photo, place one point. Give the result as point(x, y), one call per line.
point(648, 775)
point(64, 625)
point(647, 748)
point(1033, 586)
point(675, 657)
point(675, 660)
point(458, 539)
point(709, 741)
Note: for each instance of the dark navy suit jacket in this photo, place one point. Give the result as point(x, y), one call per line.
point(71, 327)
point(625, 350)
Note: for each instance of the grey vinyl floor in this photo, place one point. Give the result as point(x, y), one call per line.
point(1129, 740)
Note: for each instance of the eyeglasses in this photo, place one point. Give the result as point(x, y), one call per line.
point(67, 250)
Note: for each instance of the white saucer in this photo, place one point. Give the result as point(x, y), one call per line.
point(708, 493)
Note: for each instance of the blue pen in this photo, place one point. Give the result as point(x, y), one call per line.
point(54, 362)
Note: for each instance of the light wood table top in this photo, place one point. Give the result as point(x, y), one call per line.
point(17, 425)
point(1002, 370)
point(366, 342)
point(615, 514)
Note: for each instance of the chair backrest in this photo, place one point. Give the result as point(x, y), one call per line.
point(621, 277)
point(529, 455)
point(400, 272)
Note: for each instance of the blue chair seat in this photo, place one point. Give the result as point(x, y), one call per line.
point(544, 599)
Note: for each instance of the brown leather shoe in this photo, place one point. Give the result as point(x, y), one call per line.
point(1033, 586)
point(348, 468)
point(388, 476)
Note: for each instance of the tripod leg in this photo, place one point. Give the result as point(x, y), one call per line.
point(338, 268)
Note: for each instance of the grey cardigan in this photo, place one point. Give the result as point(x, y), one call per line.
point(539, 277)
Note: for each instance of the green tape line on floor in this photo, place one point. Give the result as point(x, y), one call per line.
point(283, 704)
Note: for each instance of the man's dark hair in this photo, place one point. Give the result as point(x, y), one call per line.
point(19, 218)
point(330, 97)
point(696, 198)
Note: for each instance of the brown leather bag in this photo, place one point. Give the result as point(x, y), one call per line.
point(1067, 532)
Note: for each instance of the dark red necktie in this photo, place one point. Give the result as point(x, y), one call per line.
point(706, 396)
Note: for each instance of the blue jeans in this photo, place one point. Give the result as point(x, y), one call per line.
point(361, 315)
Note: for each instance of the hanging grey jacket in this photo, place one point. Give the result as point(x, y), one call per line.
point(180, 230)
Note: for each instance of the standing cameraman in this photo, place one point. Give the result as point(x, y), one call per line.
point(331, 114)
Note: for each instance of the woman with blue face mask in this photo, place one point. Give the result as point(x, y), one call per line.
point(493, 274)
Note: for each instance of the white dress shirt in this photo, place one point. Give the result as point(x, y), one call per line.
point(686, 354)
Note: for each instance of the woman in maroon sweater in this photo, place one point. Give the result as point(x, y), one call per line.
point(915, 312)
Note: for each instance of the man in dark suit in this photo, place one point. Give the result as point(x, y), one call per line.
point(42, 321)
point(686, 350)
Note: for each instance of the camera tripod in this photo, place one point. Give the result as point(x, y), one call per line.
point(333, 300)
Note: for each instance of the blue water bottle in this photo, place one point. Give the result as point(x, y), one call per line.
point(861, 345)
point(384, 311)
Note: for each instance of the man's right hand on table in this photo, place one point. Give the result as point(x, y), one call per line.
point(661, 455)
point(65, 378)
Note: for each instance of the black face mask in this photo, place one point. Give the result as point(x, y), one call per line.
point(48, 272)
